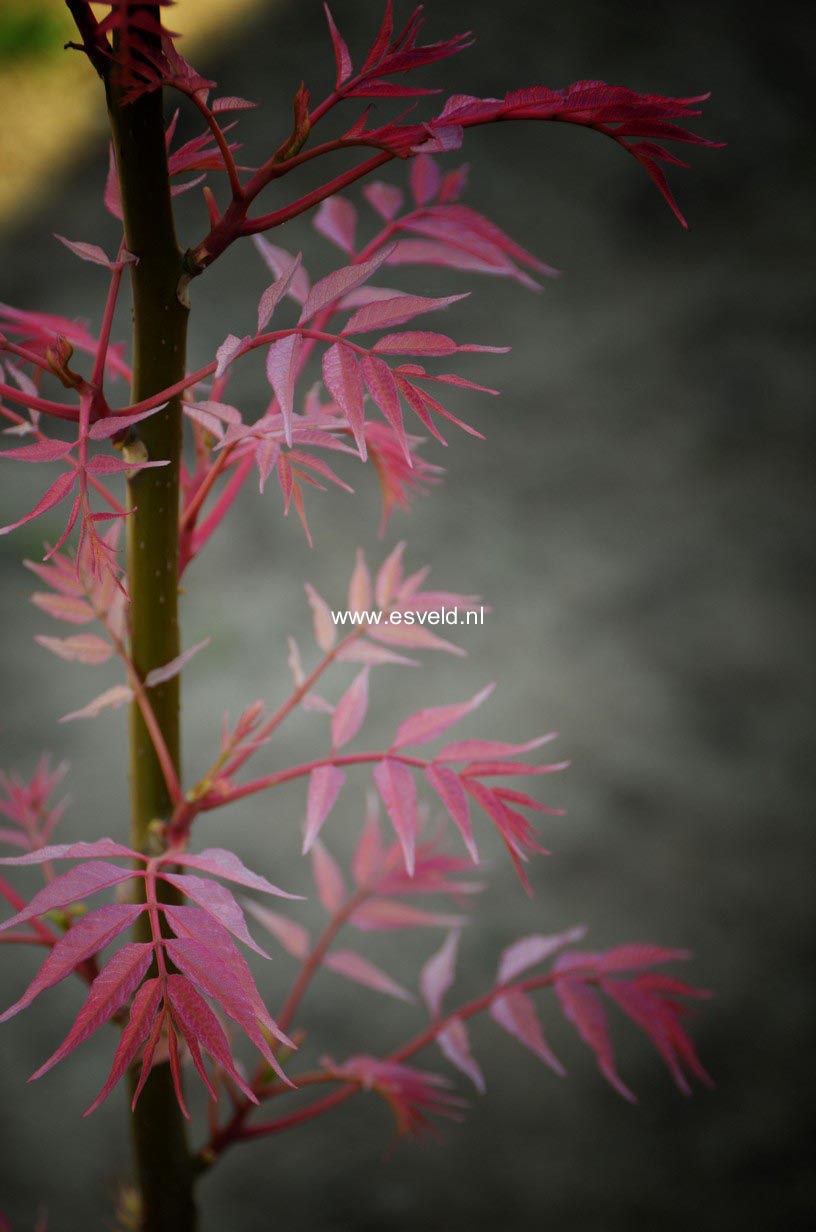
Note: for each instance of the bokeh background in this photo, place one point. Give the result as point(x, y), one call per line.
point(639, 520)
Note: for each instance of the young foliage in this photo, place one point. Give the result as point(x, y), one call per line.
point(353, 367)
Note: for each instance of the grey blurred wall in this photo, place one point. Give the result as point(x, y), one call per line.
point(640, 522)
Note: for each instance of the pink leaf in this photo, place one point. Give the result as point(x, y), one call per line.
point(281, 370)
point(278, 260)
point(350, 711)
point(515, 1013)
point(482, 750)
point(328, 879)
point(111, 699)
point(354, 967)
point(57, 492)
point(337, 221)
point(325, 630)
point(70, 608)
point(85, 937)
point(386, 199)
point(386, 313)
point(412, 637)
point(161, 674)
point(359, 595)
point(140, 1024)
point(219, 862)
point(199, 1024)
point(368, 853)
point(384, 391)
point(426, 725)
point(343, 380)
point(229, 349)
point(454, 1045)
point(218, 901)
point(69, 888)
point(87, 252)
point(102, 429)
point(325, 783)
point(81, 648)
point(530, 951)
point(274, 294)
point(582, 1007)
point(292, 936)
point(438, 974)
point(374, 656)
point(426, 179)
point(448, 787)
point(110, 990)
point(330, 288)
point(384, 915)
point(397, 789)
point(99, 849)
point(389, 577)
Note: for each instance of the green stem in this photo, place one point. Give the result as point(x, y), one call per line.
point(163, 1165)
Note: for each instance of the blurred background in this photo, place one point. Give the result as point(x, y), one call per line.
point(640, 521)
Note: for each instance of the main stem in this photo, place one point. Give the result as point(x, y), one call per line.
point(163, 1165)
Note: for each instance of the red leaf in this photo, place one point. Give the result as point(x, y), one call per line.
point(200, 1026)
point(218, 901)
point(69, 888)
point(110, 990)
point(582, 1007)
point(58, 491)
point(141, 1022)
point(85, 937)
point(341, 52)
point(232, 986)
point(415, 343)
